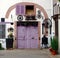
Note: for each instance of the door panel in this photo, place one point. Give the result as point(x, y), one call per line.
point(28, 43)
point(34, 32)
point(34, 43)
point(21, 37)
point(28, 35)
point(21, 32)
point(22, 43)
point(34, 37)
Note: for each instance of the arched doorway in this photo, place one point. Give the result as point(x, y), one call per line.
point(15, 24)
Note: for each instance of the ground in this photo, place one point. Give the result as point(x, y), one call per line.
point(27, 53)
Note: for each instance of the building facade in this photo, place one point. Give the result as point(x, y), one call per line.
point(26, 18)
point(56, 20)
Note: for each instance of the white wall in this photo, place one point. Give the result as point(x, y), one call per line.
point(5, 4)
point(3, 42)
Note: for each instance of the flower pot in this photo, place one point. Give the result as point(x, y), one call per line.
point(9, 43)
point(53, 52)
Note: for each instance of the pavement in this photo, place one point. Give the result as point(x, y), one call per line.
point(27, 53)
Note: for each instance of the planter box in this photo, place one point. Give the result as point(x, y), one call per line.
point(9, 43)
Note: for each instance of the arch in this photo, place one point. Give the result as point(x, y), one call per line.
point(26, 3)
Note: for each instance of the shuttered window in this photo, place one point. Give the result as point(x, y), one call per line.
point(2, 31)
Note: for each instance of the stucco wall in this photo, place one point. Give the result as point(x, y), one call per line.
point(5, 4)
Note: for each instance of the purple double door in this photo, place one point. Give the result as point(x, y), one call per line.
point(27, 37)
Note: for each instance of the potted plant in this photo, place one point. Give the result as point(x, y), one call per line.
point(54, 45)
point(9, 41)
point(10, 29)
point(10, 35)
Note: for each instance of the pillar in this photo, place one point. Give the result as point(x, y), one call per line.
point(58, 35)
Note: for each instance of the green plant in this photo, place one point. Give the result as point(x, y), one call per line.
point(54, 43)
point(59, 0)
point(10, 35)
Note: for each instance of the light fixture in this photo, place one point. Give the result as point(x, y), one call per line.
point(47, 23)
point(20, 17)
point(39, 14)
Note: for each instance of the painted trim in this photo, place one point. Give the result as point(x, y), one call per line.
point(39, 28)
point(5, 22)
point(15, 35)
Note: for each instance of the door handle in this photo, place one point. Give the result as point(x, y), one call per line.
point(23, 38)
point(39, 38)
point(33, 38)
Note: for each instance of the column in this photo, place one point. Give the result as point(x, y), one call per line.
point(59, 35)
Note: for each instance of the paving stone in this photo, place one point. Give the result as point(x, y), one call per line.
point(27, 53)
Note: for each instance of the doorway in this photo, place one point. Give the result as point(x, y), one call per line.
point(27, 34)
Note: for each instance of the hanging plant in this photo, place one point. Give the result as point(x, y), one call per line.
point(59, 0)
point(10, 35)
point(10, 29)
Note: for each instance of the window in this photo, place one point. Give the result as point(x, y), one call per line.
point(2, 31)
point(29, 9)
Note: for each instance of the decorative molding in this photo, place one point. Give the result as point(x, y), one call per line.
point(20, 17)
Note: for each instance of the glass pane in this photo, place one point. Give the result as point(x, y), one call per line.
point(2, 31)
